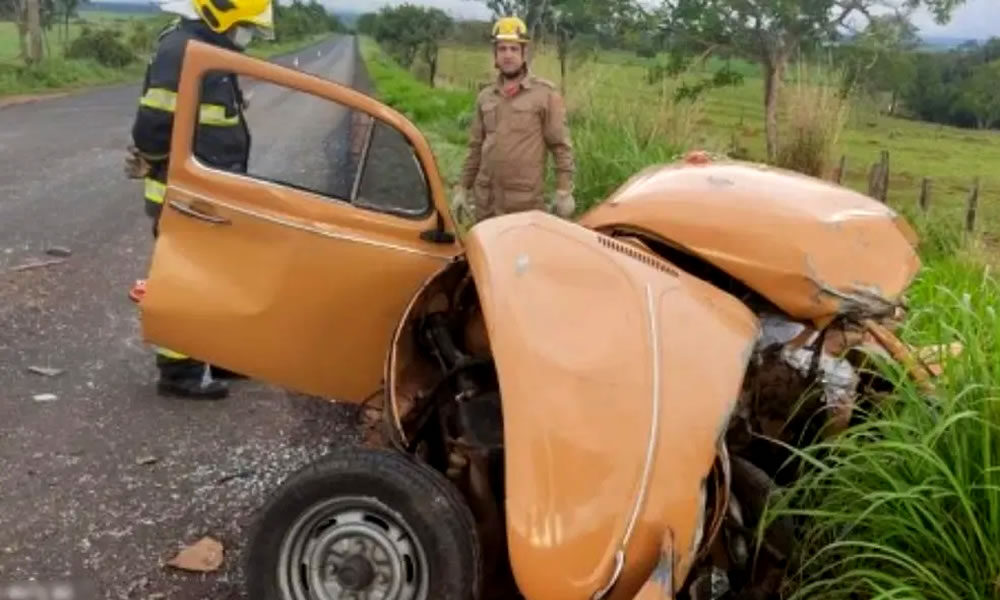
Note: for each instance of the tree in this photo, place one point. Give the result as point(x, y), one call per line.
point(66, 10)
point(366, 24)
point(33, 21)
point(772, 31)
point(570, 18)
point(881, 59)
point(979, 94)
point(397, 29)
point(408, 30)
point(532, 12)
point(436, 25)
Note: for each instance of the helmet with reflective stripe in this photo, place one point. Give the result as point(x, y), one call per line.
point(221, 15)
point(510, 29)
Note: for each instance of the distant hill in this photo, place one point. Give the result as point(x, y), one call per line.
point(122, 7)
point(346, 17)
point(943, 43)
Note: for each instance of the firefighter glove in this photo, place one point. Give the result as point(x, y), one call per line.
point(136, 165)
point(565, 204)
point(460, 202)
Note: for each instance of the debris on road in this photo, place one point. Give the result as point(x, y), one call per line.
point(45, 397)
point(203, 556)
point(38, 264)
point(60, 251)
point(46, 371)
point(240, 475)
point(146, 460)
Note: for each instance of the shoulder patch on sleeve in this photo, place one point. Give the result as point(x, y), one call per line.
point(545, 83)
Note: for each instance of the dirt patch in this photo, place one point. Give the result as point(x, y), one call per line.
point(6, 101)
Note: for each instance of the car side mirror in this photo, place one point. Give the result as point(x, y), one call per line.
point(438, 235)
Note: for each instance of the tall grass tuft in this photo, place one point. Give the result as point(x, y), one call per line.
point(814, 116)
point(907, 505)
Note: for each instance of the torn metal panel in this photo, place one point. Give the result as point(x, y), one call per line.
point(806, 269)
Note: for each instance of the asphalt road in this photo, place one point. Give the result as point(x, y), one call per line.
point(104, 481)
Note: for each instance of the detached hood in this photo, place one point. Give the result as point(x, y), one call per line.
point(618, 373)
point(811, 247)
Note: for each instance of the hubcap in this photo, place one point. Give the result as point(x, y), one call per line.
point(352, 549)
point(356, 573)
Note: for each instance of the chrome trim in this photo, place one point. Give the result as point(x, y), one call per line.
point(315, 230)
point(615, 575)
point(654, 430)
point(190, 211)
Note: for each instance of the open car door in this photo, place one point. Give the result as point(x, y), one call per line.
point(296, 271)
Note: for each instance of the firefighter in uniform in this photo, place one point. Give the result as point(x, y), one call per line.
point(222, 139)
point(517, 119)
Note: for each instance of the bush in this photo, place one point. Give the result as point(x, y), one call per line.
point(141, 37)
point(101, 45)
point(56, 73)
point(815, 115)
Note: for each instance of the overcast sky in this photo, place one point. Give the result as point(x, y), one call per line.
point(976, 19)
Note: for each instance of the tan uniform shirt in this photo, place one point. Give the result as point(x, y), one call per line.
point(508, 139)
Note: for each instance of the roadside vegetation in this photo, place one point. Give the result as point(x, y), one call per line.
point(907, 504)
point(83, 48)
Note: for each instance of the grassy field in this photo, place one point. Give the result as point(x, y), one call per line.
point(906, 505)
point(951, 157)
point(57, 73)
point(9, 49)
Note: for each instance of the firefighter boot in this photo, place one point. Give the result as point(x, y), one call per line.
point(220, 373)
point(188, 378)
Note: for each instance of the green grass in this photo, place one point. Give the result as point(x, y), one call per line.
point(906, 504)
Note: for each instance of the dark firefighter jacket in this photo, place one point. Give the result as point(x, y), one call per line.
point(222, 139)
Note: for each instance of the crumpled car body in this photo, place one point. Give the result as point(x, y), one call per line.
point(612, 370)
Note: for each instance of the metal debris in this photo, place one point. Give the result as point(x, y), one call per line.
point(146, 460)
point(60, 251)
point(45, 397)
point(203, 556)
point(38, 264)
point(46, 371)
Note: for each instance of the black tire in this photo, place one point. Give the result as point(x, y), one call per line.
point(425, 504)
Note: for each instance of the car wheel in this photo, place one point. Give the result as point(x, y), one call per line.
point(363, 524)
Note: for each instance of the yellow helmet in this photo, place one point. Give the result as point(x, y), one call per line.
point(220, 15)
point(510, 29)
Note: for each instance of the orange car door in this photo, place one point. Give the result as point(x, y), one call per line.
point(273, 276)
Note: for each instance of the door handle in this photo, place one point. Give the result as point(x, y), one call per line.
point(187, 209)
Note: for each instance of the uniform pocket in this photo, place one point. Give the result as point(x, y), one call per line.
point(524, 119)
point(490, 118)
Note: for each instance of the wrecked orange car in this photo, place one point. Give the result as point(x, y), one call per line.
point(555, 409)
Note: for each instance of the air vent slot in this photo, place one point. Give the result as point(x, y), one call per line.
point(636, 255)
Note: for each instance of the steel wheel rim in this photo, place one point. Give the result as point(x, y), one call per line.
point(352, 548)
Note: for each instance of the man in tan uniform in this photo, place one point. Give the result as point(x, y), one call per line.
point(518, 119)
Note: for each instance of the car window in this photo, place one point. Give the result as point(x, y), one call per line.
point(303, 141)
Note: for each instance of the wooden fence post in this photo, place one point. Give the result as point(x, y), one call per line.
point(873, 180)
point(878, 178)
point(925, 195)
point(884, 188)
point(838, 174)
point(970, 214)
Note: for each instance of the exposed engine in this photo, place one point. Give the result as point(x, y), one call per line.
point(451, 414)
